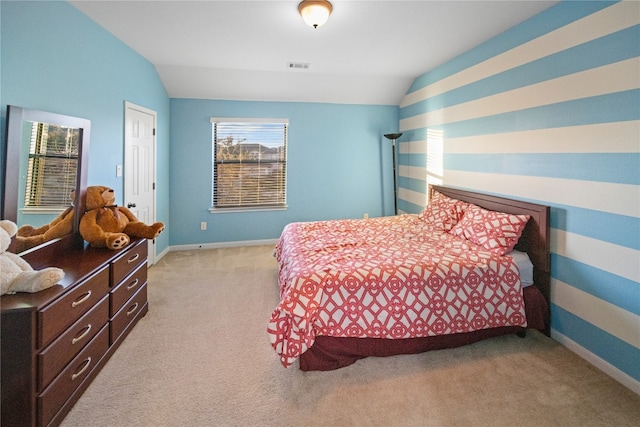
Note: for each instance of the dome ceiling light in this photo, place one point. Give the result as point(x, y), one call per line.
point(315, 12)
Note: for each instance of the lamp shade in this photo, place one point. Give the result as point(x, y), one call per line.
point(315, 12)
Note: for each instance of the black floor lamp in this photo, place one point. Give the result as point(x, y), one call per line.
point(393, 137)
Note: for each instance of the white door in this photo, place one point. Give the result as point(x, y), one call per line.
point(139, 166)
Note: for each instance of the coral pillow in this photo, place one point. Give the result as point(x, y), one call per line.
point(496, 231)
point(443, 211)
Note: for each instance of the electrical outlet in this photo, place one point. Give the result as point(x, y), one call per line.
point(203, 225)
point(366, 216)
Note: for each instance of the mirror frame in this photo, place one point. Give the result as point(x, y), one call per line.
point(16, 116)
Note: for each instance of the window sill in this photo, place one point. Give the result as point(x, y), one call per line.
point(42, 211)
point(244, 210)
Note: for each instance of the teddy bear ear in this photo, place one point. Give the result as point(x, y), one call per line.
point(9, 226)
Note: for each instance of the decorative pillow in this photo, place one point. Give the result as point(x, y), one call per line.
point(443, 211)
point(496, 231)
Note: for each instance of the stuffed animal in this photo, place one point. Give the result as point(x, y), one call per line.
point(105, 225)
point(16, 273)
point(28, 236)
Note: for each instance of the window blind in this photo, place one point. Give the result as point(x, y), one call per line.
point(52, 166)
point(249, 163)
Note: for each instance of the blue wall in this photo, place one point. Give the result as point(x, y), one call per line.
point(549, 112)
point(56, 59)
point(336, 154)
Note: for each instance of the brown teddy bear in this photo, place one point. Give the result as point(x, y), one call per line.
point(106, 225)
point(28, 236)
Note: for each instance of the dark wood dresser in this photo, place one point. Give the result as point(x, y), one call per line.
point(54, 342)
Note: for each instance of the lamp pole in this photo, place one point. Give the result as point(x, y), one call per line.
point(393, 137)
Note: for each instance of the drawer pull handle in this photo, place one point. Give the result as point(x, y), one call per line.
point(133, 285)
point(82, 299)
point(82, 334)
point(83, 368)
point(132, 309)
point(133, 258)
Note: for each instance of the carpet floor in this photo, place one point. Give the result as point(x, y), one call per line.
point(201, 357)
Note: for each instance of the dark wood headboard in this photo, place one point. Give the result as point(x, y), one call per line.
point(535, 239)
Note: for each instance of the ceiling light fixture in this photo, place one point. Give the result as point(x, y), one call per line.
point(315, 12)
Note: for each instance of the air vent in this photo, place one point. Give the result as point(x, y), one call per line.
point(298, 65)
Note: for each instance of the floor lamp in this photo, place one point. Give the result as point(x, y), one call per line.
point(393, 137)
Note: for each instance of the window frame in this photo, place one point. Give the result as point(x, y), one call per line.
point(40, 198)
point(214, 145)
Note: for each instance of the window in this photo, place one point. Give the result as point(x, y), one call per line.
point(249, 163)
point(53, 162)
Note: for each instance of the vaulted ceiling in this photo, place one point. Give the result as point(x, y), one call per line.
point(369, 52)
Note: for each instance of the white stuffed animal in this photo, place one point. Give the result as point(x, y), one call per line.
point(16, 275)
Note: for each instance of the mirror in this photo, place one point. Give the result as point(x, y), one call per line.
point(45, 174)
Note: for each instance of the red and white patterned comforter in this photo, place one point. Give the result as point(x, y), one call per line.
point(389, 277)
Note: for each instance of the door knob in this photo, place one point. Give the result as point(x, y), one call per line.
point(131, 205)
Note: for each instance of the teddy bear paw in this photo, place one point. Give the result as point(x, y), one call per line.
point(158, 227)
point(25, 231)
point(118, 241)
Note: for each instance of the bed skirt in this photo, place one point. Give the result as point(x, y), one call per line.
point(329, 353)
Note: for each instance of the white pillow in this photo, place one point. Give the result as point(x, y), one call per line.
point(524, 265)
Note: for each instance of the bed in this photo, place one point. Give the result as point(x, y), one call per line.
point(471, 266)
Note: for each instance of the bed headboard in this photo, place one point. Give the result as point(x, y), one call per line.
point(535, 237)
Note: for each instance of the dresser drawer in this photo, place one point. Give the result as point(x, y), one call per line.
point(56, 356)
point(125, 289)
point(54, 396)
point(129, 261)
point(128, 313)
point(57, 317)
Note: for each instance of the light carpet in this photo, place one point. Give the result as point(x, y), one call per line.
point(201, 357)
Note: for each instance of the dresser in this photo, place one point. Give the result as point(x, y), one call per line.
point(54, 342)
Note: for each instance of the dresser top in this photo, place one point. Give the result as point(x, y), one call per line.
point(78, 261)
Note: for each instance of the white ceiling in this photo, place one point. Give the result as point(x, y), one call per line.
point(369, 52)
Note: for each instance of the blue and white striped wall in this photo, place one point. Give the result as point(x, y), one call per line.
point(549, 112)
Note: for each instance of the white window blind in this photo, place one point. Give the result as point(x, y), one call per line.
point(249, 163)
point(52, 166)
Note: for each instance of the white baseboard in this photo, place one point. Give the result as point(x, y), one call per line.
point(222, 245)
point(598, 362)
point(163, 253)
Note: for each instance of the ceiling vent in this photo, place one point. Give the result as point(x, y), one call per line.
point(298, 65)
